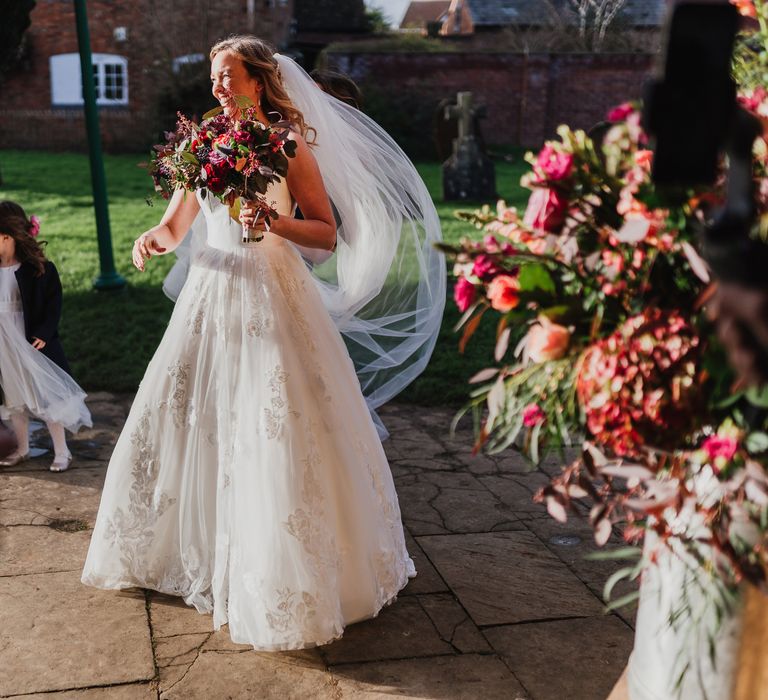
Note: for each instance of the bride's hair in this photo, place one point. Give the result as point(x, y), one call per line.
point(14, 223)
point(260, 62)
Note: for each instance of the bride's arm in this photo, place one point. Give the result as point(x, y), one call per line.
point(166, 236)
point(318, 227)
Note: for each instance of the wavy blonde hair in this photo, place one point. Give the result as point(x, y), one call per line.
point(260, 62)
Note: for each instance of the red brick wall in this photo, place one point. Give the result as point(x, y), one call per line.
point(526, 97)
point(157, 32)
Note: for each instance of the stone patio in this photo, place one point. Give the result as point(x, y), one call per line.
point(505, 605)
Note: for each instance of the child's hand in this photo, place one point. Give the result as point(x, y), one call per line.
point(38, 344)
point(144, 247)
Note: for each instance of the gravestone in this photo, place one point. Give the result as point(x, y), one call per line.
point(469, 174)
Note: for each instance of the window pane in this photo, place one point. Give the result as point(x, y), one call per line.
point(96, 81)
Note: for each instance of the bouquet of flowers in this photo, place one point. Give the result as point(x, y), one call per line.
point(600, 300)
point(232, 158)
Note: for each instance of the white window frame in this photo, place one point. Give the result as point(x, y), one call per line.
point(67, 83)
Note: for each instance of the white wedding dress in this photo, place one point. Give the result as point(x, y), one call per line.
point(673, 661)
point(249, 478)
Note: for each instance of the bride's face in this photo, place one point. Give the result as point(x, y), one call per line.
point(229, 78)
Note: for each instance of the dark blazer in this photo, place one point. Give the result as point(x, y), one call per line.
point(41, 303)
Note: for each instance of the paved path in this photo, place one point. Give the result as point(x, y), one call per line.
point(504, 607)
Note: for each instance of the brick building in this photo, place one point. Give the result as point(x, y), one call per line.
point(140, 50)
point(527, 95)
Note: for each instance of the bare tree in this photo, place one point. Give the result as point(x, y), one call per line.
point(595, 17)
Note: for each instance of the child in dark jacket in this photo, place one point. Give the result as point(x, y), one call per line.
point(34, 373)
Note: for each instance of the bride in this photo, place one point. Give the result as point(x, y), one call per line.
point(249, 478)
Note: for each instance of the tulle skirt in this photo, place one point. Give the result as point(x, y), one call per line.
point(249, 477)
point(32, 383)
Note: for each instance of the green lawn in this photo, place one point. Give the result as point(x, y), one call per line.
point(110, 337)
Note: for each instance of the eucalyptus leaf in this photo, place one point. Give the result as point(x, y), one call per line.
point(210, 114)
point(243, 101)
point(622, 601)
point(757, 442)
point(758, 396)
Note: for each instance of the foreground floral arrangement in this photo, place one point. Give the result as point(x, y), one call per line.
point(600, 299)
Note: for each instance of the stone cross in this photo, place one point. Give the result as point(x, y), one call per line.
point(469, 173)
point(463, 112)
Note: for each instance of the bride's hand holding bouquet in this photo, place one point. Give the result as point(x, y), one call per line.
point(235, 157)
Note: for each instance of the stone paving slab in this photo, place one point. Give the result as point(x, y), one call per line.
point(35, 549)
point(57, 634)
point(38, 498)
point(444, 502)
point(506, 577)
point(172, 616)
point(578, 659)
point(401, 629)
point(428, 580)
point(453, 623)
point(468, 677)
point(481, 547)
point(592, 572)
point(132, 691)
point(227, 674)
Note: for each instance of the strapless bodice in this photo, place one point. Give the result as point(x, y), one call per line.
point(224, 233)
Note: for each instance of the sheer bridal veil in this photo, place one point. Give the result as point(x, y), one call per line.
point(384, 286)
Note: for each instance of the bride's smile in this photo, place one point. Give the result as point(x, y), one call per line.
point(229, 77)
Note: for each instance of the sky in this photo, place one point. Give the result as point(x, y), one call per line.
point(394, 9)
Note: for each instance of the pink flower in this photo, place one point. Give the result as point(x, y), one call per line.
point(243, 137)
point(553, 165)
point(34, 226)
point(485, 268)
point(755, 100)
point(644, 158)
point(504, 293)
point(718, 446)
point(546, 341)
point(620, 113)
point(546, 210)
point(464, 293)
point(532, 415)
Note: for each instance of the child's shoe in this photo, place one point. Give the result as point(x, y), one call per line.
point(61, 464)
point(13, 459)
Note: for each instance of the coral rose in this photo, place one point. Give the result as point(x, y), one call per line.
point(546, 341)
point(504, 293)
point(746, 8)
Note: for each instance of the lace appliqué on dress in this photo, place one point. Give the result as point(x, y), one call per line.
point(179, 404)
point(293, 612)
point(279, 410)
point(133, 532)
